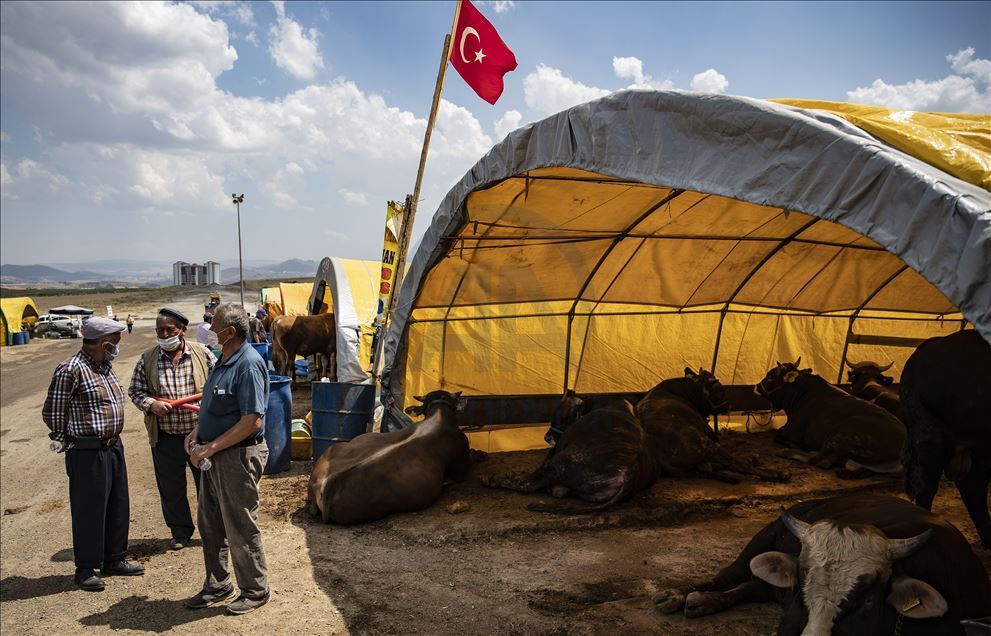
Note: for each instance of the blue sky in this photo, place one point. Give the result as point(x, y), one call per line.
point(125, 127)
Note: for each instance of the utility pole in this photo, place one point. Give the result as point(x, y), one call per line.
point(238, 200)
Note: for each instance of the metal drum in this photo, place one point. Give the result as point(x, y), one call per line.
point(278, 424)
point(341, 412)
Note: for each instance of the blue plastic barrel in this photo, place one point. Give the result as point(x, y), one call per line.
point(341, 412)
point(20, 337)
point(278, 424)
point(262, 349)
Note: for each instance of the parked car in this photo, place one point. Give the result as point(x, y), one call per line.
point(55, 326)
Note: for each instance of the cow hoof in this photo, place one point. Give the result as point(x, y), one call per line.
point(670, 601)
point(702, 604)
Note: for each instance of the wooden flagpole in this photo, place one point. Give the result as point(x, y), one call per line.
point(409, 210)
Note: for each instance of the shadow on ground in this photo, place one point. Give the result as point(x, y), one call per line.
point(139, 613)
point(19, 588)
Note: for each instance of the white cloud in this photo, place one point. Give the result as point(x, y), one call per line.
point(4, 137)
point(963, 62)
point(968, 91)
point(353, 198)
point(507, 123)
point(502, 6)
point(29, 179)
point(547, 90)
point(240, 11)
point(132, 120)
point(294, 49)
point(710, 81)
point(252, 37)
point(631, 68)
point(335, 234)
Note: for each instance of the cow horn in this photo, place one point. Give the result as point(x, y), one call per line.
point(849, 364)
point(419, 398)
point(901, 548)
point(885, 367)
point(798, 362)
point(795, 525)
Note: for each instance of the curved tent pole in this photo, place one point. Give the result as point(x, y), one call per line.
point(602, 259)
point(746, 279)
point(856, 313)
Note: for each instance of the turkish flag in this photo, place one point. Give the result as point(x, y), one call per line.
point(479, 54)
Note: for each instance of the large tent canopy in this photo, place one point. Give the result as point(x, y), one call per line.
point(349, 289)
point(606, 247)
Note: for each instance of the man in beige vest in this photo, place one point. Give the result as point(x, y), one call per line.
point(174, 368)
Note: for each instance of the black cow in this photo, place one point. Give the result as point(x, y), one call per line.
point(832, 424)
point(868, 382)
point(599, 454)
point(854, 564)
point(946, 394)
point(674, 415)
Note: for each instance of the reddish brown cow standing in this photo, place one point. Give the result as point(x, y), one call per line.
point(305, 336)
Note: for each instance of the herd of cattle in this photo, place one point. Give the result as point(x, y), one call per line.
point(853, 564)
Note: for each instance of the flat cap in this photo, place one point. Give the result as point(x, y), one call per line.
point(97, 327)
point(261, 312)
point(173, 313)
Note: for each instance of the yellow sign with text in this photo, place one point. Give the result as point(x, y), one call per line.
point(390, 253)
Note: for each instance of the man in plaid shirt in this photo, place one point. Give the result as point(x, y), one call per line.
point(174, 368)
point(85, 412)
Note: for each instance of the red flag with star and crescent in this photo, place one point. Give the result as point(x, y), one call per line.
point(479, 54)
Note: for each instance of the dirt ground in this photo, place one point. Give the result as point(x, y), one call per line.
point(496, 568)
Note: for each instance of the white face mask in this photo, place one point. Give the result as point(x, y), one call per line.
point(110, 354)
point(169, 344)
point(212, 340)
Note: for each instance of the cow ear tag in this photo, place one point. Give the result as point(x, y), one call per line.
point(911, 603)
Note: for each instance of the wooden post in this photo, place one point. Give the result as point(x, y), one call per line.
point(409, 209)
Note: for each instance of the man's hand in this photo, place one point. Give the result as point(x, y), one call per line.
point(160, 408)
point(190, 440)
point(200, 452)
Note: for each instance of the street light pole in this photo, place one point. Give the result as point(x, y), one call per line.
point(238, 199)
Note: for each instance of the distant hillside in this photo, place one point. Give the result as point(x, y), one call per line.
point(292, 267)
point(45, 274)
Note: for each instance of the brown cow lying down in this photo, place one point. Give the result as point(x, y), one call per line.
point(853, 564)
point(377, 474)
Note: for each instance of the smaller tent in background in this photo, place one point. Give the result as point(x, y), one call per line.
point(14, 312)
point(271, 299)
point(295, 298)
point(71, 310)
point(349, 288)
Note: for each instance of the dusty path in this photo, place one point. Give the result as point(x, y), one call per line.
point(495, 569)
point(36, 590)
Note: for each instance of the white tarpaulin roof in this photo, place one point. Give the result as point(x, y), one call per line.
point(606, 246)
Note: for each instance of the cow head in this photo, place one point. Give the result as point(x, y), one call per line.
point(860, 374)
point(435, 400)
point(842, 579)
point(568, 411)
point(712, 395)
point(781, 376)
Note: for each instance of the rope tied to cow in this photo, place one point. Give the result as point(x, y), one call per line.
point(762, 419)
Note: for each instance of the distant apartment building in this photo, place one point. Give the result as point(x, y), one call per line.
point(184, 273)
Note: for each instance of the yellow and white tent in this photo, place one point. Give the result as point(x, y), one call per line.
point(13, 312)
point(349, 289)
point(604, 248)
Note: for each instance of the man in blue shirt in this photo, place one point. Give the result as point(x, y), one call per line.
point(230, 434)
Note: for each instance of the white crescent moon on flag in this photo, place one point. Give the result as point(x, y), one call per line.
point(464, 36)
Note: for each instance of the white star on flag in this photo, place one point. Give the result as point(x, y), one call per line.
point(479, 55)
